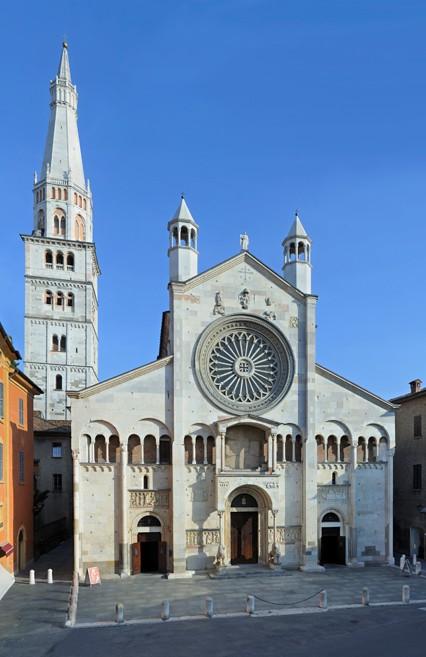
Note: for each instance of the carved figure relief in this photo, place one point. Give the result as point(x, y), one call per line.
point(200, 537)
point(219, 308)
point(293, 322)
point(145, 498)
point(244, 299)
point(285, 535)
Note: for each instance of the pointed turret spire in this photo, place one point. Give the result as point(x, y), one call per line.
point(183, 213)
point(297, 256)
point(297, 229)
point(62, 156)
point(64, 71)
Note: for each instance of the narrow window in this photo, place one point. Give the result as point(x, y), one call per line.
point(333, 479)
point(57, 483)
point(58, 382)
point(48, 297)
point(70, 262)
point(145, 482)
point(65, 195)
point(59, 260)
point(56, 450)
point(417, 476)
point(75, 198)
point(60, 299)
point(80, 201)
point(84, 204)
point(56, 225)
point(63, 345)
point(48, 259)
point(70, 300)
point(59, 193)
point(184, 238)
point(21, 467)
point(63, 226)
point(55, 343)
point(417, 426)
point(1, 400)
point(21, 412)
point(53, 192)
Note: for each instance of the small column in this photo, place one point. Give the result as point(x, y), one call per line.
point(270, 459)
point(142, 451)
point(222, 447)
point(218, 453)
point(125, 567)
point(107, 449)
point(205, 449)
point(157, 450)
point(338, 445)
point(194, 444)
point(326, 449)
point(293, 449)
point(283, 442)
point(274, 451)
point(92, 451)
point(76, 499)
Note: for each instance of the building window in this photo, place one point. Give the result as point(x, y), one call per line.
point(60, 299)
point(58, 382)
point(59, 260)
point(48, 259)
point(21, 465)
point(70, 300)
point(57, 483)
point(417, 477)
point(1, 400)
point(417, 426)
point(63, 344)
point(70, 262)
point(55, 343)
point(48, 297)
point(56, 450)
point(1, 461)
point(21, 411)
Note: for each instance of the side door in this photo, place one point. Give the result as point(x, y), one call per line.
point(136, 558)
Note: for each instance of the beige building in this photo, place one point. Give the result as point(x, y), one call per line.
point(235, 446)
point(410, 469)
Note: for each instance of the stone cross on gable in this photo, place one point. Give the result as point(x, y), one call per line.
point(245, 273)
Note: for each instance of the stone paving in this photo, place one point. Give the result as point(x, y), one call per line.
point(142, 595)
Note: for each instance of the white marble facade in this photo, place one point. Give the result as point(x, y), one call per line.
point(234, 446)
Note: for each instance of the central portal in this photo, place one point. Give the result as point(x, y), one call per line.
point(244, 530)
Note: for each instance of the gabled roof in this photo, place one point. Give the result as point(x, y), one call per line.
point(353, 387)
point(120, 378)
point(244, 257)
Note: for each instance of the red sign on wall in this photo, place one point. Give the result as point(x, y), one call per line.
point(93, 576)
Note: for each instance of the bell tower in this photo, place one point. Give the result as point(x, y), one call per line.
point(183, 254)
point(61, 267)
point(297, 267)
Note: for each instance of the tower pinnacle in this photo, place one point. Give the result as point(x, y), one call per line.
point(297, 256)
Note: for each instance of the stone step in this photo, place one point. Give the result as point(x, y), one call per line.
point(239, 572)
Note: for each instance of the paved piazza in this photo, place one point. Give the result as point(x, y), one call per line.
point(142, 595)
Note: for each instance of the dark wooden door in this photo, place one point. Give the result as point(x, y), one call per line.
point(136, 558)
point(244, 541)
point(162, 557)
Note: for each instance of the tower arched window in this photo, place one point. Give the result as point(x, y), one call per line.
point(56, 225)
point(48, 259)
point(48, 297)
point(53, 192)
point(79, 228)
point(184, 237)
point(40, 220)
point(175, 237)
point(301, 251)
point(55, 343)
point(84, 204)
point(75, 198)
point(65, 195)
point(59, 193)
point(70, 262)
point(60, 299)
point(193, 239)
point(70, 300)
point(63, 343)
point(58, 382)
point(292, 252)
point(59, 260)
point(62, 228)
point(80, 201)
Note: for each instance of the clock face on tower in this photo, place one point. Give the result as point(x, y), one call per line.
point(244, 364)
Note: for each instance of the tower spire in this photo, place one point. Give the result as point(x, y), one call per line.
point(297, 256)
point(62, 156)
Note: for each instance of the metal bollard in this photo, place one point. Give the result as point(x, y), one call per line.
point(32, 577)
point(165, 610)
point(323, 602)
point(119, 613)
point(50, 576)
point(365, 596)
point(414, 559)
point(209, 607)
point(250, 605)
point(406, 594)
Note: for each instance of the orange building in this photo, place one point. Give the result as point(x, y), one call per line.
point(16, 460)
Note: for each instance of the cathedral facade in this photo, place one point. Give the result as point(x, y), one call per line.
point(234, 446)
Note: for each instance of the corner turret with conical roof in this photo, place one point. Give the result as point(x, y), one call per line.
point(183, 254)
point(297, 267)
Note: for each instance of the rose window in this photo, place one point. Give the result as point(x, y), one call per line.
point(244, 364)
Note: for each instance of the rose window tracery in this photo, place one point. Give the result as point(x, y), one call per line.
point(244, 364)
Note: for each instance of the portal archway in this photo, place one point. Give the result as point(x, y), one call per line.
point(149, 553)
point(333, 540)
point(246, 525)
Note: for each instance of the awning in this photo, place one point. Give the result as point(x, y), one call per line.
point(5, 549)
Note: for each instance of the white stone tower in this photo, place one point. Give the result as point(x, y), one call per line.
point(297, 257)
point(61, 267)
point(183, 254)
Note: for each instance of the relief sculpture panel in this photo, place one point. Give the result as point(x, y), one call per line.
point(148, 499)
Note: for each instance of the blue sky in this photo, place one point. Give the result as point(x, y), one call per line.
point(253, 108)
